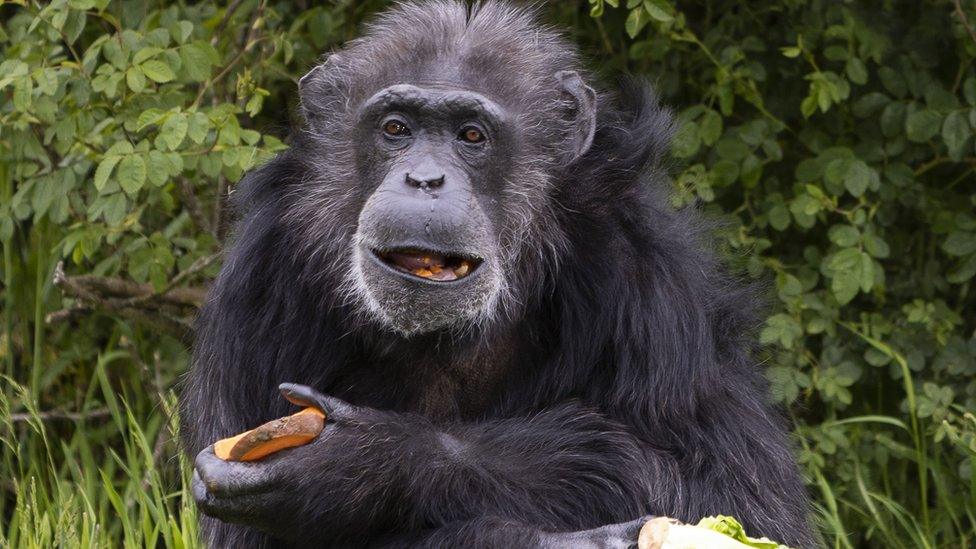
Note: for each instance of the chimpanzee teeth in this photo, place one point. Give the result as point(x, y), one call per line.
point(414, 261)
point(428, 265)
point(445, 275)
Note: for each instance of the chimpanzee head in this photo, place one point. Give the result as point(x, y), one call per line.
point(433, 144)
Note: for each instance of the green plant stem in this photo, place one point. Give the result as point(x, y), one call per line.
point(40, 279)
point(8, 275)
point(921, 457)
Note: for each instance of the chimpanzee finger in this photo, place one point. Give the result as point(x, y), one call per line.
point(230, 478)
point(245, 509)
point(334, 408)
point(198, 489)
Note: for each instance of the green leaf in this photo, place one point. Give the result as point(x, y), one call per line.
point(144, 54)
point(596, 10)
point(870, 104)
point(710, 126)
point(135, 79)
point(779, 217)
point(960, 243)
point(965, 271)
point(790, 51)
point(849, 268)
point(22, 93)
point(857, 177)
point(114, 54)
point(867, 272)
point(856, 71)
point(687, 140)
point(132, 174)
point(174, 130)
point(159, 168)
point(636, 21)
point(157, 71)
point(725, 172)
point(955, 133)
point(104, 170)
point(45, 190)
point(119, 148)
point(893, 81)
point(844, 235)
point(198, 60)
point(113, 208)
point(876, 246)
point(148, 117)
point(658, 10)
point(198, 127)
point(920, 126)
point(732, 148)
point(254, 104)
point(969, 90)
point(893, 119)
point(781, 328)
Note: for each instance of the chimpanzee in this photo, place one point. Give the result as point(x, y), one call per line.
point(468, 260)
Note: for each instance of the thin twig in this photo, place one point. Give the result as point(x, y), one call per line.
point(181, 296)
point(172, 325)
point(228, 13)
point(133, 300)
point(965, 22)
point(193, 206)
point(218, 209)
point(250, 40)
point(58, 414)
point(101, 288)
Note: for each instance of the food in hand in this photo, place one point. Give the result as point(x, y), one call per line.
point(273, 436)
point(718, 532)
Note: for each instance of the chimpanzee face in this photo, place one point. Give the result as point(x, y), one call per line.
point(432, 195)
point(432, 161)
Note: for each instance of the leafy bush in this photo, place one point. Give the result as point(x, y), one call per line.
point(834, 139)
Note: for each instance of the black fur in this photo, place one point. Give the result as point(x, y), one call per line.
point(623, 384)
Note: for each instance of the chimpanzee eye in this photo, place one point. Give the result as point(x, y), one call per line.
point(395, 128)
point(471, 134)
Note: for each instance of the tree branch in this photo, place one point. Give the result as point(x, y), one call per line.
point(166, 309)
point(95, 288)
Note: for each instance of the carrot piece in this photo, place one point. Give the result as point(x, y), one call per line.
point(287, 432)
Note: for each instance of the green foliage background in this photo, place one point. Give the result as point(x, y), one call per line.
point(834, 139)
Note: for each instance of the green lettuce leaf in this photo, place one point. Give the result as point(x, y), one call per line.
point(732, 528)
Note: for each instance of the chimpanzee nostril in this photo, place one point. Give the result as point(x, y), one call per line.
point(425, 182)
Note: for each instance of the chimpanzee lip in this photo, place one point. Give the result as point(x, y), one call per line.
point(427, 264)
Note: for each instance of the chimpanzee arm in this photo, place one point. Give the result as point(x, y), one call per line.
point(374, 472)
point(491, 532)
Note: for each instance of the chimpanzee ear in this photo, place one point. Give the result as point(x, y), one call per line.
point(583, 114)
point(314, 88)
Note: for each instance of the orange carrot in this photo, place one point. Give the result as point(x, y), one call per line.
point(273, 436)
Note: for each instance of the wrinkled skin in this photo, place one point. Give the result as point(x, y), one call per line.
point(517, 341)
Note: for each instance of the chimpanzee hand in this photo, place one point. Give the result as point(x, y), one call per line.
point(323, 480)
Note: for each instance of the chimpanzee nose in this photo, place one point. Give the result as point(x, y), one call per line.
point(425, 180)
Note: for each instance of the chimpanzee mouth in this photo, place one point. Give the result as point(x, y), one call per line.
point(428, 265)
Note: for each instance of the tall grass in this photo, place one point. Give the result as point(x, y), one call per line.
point(103, 477)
